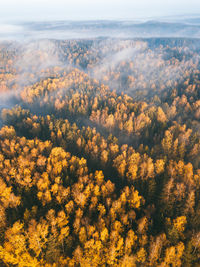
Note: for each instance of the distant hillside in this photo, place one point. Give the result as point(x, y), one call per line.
point(189, 28)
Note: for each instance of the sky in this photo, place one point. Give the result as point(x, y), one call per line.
point(20, 10)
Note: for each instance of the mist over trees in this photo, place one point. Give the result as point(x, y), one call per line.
point(100, 152)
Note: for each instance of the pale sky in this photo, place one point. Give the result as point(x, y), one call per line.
point(94, 9)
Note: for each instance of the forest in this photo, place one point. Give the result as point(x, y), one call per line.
point(100, 152)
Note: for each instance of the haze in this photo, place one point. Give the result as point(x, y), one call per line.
point(12, 10)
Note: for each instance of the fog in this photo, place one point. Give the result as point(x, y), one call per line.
point(35, 57)
point(32, 61)
point(37, 51)
point(187, 27)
